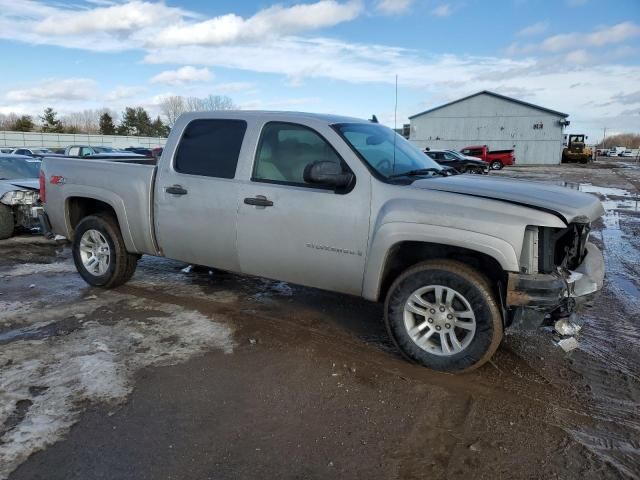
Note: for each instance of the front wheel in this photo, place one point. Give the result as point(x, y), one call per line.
point(99, 252)
point(444, 315)
point(496, 165)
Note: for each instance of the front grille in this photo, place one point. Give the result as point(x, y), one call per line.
point(563, 248)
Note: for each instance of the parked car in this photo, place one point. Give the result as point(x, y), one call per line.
point(32, 151)
point(626, 153)
point(344, 205)
point(460, 162)
point(615, 151)
point(140, 151)
point(497, 159)
point(7, 149)
point(93, 151)
point(18, 193)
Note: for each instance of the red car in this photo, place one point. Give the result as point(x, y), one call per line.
point(495, 158)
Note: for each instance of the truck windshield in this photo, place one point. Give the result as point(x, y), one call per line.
point(388, 153)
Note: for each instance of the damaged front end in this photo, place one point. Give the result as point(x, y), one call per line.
point(24, 205)
point(560, 270)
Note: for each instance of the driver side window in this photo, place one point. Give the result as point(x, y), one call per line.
point(285, 149)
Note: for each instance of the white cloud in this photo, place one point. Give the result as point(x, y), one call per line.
point(443, 10)
point(183, 75)
point(534, 29)
point(393, 7)
point(124, 18)
point(604, 35)
point(578, 57)
point(69, 89)
point(268, 23)
point(122, 92)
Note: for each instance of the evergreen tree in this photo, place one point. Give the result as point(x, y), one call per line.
point(158, 128)
point(143, 123)
point(50, 122)
point(128, 123)
point(23, 124)
point(107, 127)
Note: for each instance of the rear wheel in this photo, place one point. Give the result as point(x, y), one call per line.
point(7, 222)
point(99, 252)
point(496, 165)
point(443, 315)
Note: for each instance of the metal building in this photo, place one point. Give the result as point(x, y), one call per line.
point(500, 122)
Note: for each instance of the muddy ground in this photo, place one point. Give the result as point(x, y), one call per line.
point(193, 374)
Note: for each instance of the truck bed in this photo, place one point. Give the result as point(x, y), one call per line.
point(125, 183)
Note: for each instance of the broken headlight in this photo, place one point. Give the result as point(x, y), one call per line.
point(20, 197)
point(564, 248)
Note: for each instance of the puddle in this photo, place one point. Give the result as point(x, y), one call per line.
point(608, 355)
point(39, 332)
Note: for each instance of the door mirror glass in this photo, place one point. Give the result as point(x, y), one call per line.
point(327, 173)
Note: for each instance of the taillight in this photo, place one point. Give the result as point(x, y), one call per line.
point(43, 187)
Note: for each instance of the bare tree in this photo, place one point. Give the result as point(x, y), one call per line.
point(86, 121)
point(211, 102)
point(171, 108)
point(627, 140)
point(7, 120)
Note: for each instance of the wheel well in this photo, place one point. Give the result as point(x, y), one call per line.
point(80, 207)
point(406, 254)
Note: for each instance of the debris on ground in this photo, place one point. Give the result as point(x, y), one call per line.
point(568, 344)
point(475, 447)
point(566, 327)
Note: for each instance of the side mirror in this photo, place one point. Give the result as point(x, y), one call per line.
point(327, 173)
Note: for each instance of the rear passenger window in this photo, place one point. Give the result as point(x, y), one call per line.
point(211, 148)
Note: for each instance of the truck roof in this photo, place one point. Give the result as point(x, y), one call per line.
point(325, 117)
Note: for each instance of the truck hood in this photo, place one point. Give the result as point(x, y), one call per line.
point(571, 205)
point(19, 184)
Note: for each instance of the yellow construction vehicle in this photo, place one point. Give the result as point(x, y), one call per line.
point(576, 150)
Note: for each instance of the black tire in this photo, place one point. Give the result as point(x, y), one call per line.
point(469, 283)
point(496, 165)
point(7, 222)
point(122, 264)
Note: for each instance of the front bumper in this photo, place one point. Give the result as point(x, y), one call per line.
point(530, 297)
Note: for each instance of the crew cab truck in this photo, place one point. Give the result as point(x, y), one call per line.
point(340, 204)
point(497, 159)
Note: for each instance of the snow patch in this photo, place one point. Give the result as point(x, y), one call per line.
point(95, 363)
point(39, 268)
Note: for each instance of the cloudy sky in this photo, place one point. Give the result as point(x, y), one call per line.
point(581, 57)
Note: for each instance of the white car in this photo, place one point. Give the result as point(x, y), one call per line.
point(626, 153)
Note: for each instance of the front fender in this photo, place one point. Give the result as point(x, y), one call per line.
point(390, 234)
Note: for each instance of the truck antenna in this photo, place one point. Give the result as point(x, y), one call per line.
point(395, 126)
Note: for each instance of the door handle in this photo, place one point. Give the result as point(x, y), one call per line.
point(259, 201)
point(175, 190)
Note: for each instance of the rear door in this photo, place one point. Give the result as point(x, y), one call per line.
point(294, 231)
point(196, 194)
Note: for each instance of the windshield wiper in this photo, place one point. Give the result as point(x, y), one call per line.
point(418, 172)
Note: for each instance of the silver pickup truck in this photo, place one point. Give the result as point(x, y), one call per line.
point(340, 204)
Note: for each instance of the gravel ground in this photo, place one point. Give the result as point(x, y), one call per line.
point(197, 374)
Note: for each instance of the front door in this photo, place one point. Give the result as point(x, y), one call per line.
point(196, 195)
point(297, 232)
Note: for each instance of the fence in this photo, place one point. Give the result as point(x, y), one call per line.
point(56, 140)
